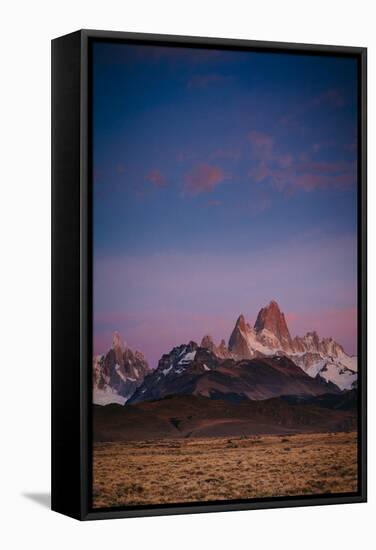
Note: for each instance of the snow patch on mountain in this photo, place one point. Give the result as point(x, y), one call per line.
point(166, 371)
point(107, 396)
point(188, 358)
point(343, 377)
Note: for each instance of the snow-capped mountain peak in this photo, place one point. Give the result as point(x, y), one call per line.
point(117, 373)
point(271, 318)
point(271, 336)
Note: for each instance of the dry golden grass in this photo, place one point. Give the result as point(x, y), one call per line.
point(188, 470)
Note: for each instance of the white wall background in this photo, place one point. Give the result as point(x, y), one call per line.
point(27, 27)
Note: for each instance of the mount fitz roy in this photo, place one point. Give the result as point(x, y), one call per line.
point(260, 362)
point(270, 336)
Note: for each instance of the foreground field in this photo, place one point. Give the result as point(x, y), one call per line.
point(207, 469)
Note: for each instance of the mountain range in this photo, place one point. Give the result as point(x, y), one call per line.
point(194, 370)
point(259, 363)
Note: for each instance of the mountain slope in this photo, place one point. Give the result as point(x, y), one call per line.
point(193, 370)
point(197, 416)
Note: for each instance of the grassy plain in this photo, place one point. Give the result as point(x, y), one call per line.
point(207, 469)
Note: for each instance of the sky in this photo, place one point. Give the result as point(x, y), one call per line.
point(221, 180)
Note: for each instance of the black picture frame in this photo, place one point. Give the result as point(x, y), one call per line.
point(72, 278)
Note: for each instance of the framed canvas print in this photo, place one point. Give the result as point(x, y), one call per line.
point(208, 274)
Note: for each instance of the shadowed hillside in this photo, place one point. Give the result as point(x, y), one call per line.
point(196, 416)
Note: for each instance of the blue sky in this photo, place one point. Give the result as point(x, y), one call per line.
point(222, 180)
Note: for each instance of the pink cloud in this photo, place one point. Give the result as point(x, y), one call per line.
point(262, 144)
point(260, 172)
point(322, 175)
point(288, 174)
point(304, 157)
point(310, 182)
point(203, 178)
point(156, 178)
point(285, 161)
